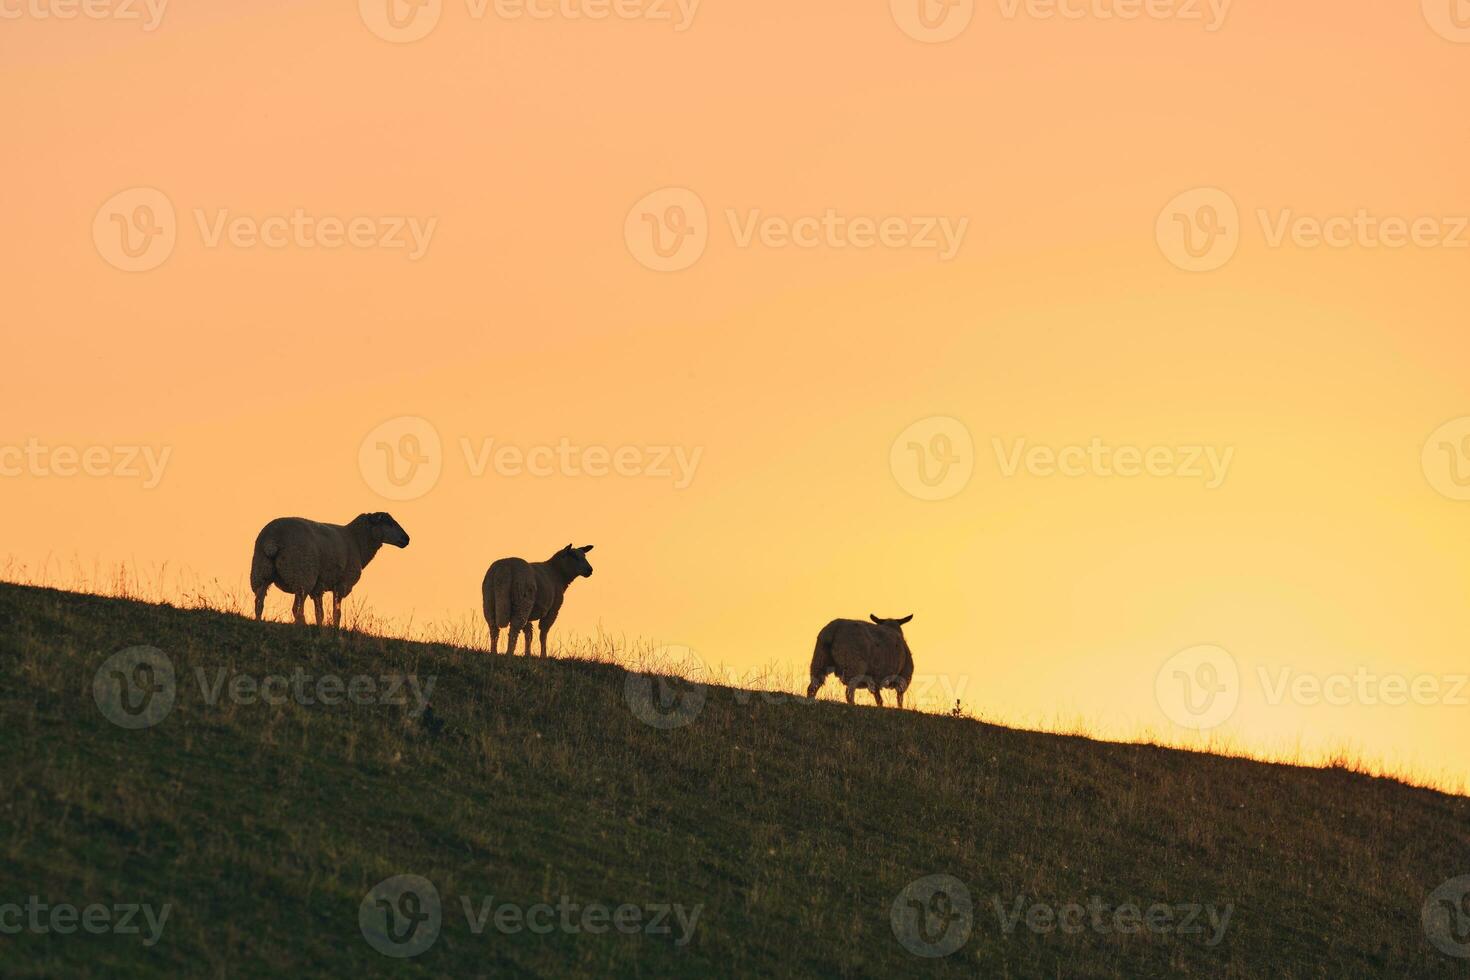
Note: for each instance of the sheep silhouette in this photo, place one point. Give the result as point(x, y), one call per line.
point(516, 593)
point(870, 656)
point(308, 558)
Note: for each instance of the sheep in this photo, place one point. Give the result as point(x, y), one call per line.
point(863, 655)
point(308, 558)
point(517, 592)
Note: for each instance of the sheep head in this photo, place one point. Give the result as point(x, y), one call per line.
point(385, 530)
point(574, 561)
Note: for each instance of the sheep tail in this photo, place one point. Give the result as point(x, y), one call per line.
point(263, 564)
point(822, 656)
point(500, 589)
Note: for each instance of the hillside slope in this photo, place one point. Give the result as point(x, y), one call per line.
point(777, 836)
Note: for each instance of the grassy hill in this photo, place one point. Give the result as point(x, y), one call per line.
point(779, 837)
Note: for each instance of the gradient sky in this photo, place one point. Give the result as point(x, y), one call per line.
point(1335, 543)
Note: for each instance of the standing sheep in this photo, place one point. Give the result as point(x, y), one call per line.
point(307, 558)
point(517, 593)
point(863, 655)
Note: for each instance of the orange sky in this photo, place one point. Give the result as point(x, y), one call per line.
point(525, 150)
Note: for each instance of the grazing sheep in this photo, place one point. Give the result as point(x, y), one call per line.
point(863, 655)
point(307, 558)
point(517, 593)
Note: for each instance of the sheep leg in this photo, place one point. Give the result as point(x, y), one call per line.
point(260, 604)
point(542, 633)
point(851, 692)
point(336, 610)
point(316, 601)
point(877, 694)
point(512, 635)
point(298, 609)
point(494, 640)
point(528, 641)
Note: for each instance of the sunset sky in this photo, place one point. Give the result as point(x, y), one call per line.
point(766, 250)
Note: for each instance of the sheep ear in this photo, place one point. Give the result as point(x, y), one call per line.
point(586, 549)
point(906, 619)
point(875, 619)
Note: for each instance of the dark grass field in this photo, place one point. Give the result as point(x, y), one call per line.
point(778, 837)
